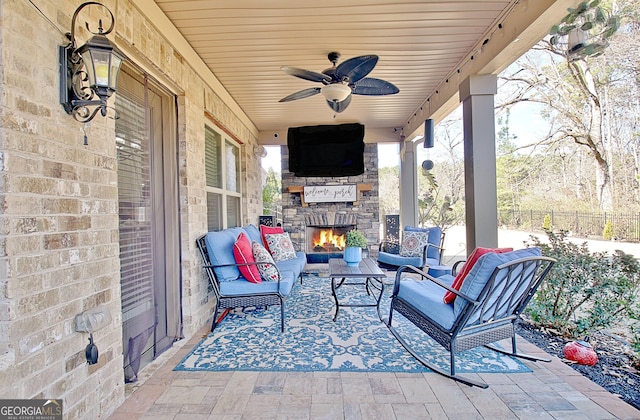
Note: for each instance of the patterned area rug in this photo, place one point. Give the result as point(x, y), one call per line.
point(312, 341)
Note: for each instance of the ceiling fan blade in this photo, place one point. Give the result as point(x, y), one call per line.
point(340, 106)
point(305, 93)
point(306, 74)
point(356, 68)
point(374, 87)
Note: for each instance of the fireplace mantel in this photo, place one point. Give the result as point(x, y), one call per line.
point(300, 189)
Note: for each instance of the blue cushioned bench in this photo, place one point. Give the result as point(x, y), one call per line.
point(230, 288)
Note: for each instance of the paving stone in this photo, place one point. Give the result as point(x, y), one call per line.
point(230, 403)
point(410, 411)
point(326, 411)
point(436, 411)
point(416, 390)
point(183, 395)
point(376, 411)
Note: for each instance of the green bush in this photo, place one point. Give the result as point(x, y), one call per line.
point(546, 222)
point(584, 291)
point(607, 232)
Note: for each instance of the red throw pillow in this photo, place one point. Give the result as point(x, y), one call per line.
point(264, 230)
point(243, 254)
point(466, 269)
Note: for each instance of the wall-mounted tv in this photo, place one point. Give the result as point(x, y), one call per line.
point(326, 150)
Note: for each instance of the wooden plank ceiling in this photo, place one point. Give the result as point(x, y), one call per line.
point(245, 42)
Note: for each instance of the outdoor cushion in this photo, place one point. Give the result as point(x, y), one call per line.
point(413, 243)
point(264, 229)
point(268, 272)
point(435, 234)
point(481, 272)
point(295, 265)
point(220, 250)
point(468, 265)
point(280, 246)
point(426, 297)
point(253, 233)
point(243, 253)
point(242, 287)
point(398, 260)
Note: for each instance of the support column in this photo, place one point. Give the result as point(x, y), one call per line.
point(481, 202)
point(408, 185)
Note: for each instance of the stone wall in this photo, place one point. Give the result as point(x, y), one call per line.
point(366, 211)
point(59, 237)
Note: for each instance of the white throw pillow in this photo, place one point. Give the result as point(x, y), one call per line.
point(280, 246)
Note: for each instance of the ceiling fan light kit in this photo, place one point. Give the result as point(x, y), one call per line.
point(341, 81)
point(336, 92)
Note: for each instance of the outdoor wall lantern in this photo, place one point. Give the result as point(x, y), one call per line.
point(89, 73)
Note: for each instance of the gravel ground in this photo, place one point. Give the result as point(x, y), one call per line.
point(616, 370)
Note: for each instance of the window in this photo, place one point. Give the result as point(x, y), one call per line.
point(222, 161)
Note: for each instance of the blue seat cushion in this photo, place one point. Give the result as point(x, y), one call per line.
point(253, 233)
point(295, 265)
point(479, 275)
point(220, 250)
point(426, 297)
point(243, 287)
point(397, 260)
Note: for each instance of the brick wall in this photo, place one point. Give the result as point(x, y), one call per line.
point(59, 244)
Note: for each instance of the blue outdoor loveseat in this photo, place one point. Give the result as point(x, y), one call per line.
point(230, 288)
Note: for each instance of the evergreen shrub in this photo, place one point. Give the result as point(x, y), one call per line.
point(585, 291)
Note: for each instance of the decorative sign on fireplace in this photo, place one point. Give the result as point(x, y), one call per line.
point(331, 193)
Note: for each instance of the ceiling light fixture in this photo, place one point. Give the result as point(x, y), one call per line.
point(336, 92)
point(88, 71)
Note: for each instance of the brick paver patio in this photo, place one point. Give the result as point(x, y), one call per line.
point(552, 391)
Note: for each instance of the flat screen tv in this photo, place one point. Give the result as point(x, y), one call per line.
point(326, 150)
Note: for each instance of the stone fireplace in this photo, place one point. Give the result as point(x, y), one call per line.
point(319, 227)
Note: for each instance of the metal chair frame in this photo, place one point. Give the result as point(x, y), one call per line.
point(489, 318)
point(236, 301)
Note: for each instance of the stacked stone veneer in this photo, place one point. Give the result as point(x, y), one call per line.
point(365, 212)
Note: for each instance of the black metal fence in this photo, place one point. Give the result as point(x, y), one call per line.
point(626, 226)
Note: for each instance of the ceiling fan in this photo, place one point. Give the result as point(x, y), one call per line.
point(340, 81)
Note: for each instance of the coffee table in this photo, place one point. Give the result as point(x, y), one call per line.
point(367, 270)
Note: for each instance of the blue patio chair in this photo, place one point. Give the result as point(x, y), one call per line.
point(485, 310)
point(429, 255)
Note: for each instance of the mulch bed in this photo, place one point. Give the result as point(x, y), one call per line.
point(617, 367)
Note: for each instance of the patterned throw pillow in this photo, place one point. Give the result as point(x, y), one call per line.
point(264, 230)
point(243, 254)
point(413, 243)
point(280, 246)
point(269, 272)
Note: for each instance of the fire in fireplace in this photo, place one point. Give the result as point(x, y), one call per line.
point(326, 239)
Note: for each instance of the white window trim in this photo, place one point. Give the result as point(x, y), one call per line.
point(223, 192)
